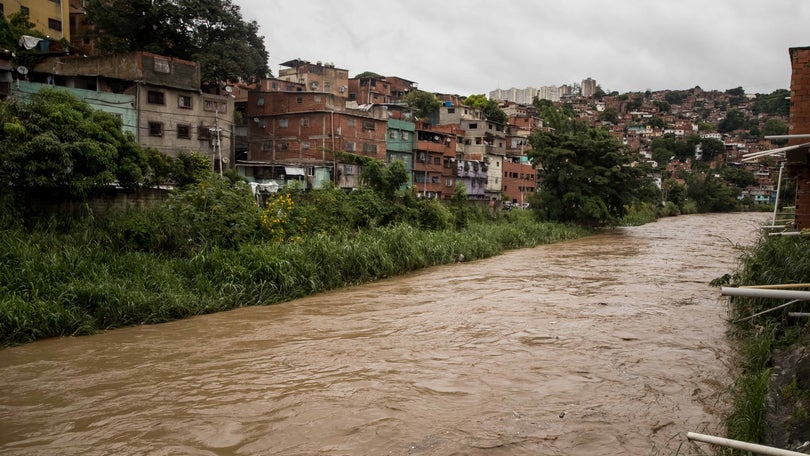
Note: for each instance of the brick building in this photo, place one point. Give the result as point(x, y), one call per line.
point(299, 136)
point(797, 154)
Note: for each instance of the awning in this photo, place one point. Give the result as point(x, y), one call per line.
point(293, 171)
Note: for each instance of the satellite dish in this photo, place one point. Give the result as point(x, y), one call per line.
point(228, 89)
point(22, 70)
point(225, 160)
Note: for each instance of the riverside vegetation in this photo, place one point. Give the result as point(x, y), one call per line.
point(209, 247)
point(772, 393)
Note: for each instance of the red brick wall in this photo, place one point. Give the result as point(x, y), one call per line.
point(518, 182)
point(800, 124)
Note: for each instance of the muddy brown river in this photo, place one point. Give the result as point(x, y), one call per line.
point(610, 345)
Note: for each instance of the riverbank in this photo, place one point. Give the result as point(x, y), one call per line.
point(772, 393)
point(69, 284)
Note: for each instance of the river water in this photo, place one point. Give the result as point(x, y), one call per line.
point(608, 345)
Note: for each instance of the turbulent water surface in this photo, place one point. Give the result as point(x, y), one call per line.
point(609, 345)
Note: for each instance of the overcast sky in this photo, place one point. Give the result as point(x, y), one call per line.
point(469, 47)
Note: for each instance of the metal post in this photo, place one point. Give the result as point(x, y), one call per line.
point(218, 145)
point(765, 293)
point(778, 187)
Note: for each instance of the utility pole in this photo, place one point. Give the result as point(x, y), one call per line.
point(218, 144)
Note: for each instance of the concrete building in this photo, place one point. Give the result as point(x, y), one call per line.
point(51, 18)
point(316, 77)
point(172, 114)
point(588, 87)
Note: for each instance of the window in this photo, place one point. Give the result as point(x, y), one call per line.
point(299, 99)
point(473, 126)
point(350, 170)
point(368, 125)
point(393, 134)
point(310, 170)
point(349, 146)
point(282, 123)
point(406, 135)
point(213, 105)
point(304, 121)
point(183, 132)
point(448, 182)
point(260, 101)
point(349, 122)
point(451, 110)
point(422, 157)
point(55, 24)
point(304, 145)
point(437, 160)
point(203, 133)
point(370, 148)
point(184, 101)
point(25, 11)
point(316, 98)
point(155, 129)
point(327, 86)
point(162, 65)
point(155, 97)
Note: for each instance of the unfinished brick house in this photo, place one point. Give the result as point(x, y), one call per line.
point(797, 154)
point(299, 136)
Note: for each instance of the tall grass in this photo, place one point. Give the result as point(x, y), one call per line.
point(58, 284)
point(772, 260)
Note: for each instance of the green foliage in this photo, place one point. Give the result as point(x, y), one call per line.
point(190, 168)
point(369, 74)
point(424, 104)
point(774, 127)
point(492, 111)
point(734, 120)
point(57, 143)
point(711, 194)
point(711, 148)
point(212, 33)
point(738, 176)
point(610, 115)
point(777, 102)
point(586, 176)
point(69, 284)
point(674, 192)
point(674, 97)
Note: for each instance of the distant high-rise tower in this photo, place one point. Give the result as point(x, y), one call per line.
point(588, 87)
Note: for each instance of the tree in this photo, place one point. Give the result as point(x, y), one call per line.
point(734, 120)
point(711, 194)
point(369, 74)
point(674, 97)
point(711, 148)
point(777, 102)
point(774, 127)
point(56, 142)
point(737, 176)
point(423, 103)
point(210, 32)
point(586, 177)
point(610, 115)
point(492, 111)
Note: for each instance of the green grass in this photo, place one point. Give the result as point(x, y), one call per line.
point(56, 283)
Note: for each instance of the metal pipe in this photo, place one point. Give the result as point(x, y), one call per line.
point(799, 314)
point(739, 445)
point(778, 286)
point(767, 311)
point(765, 293)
